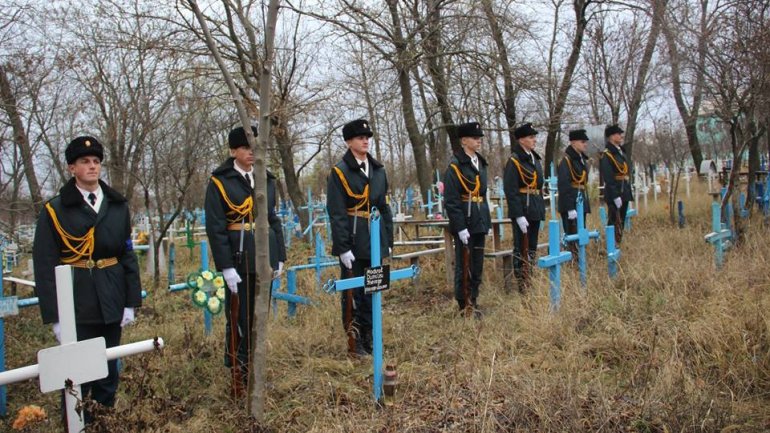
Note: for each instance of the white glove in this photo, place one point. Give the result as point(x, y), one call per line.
point(57, 331)
point(347, 259)
point(522, 222)
point(128, 317)
point(464, 236)
point(571, 214)
point(278, 271)
point(232, 279)
point(618, 202)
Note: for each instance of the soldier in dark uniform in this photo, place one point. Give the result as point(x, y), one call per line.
point(573, 179)
point(465, 189)
point(614, 168)
point(88, 226)
point(230, 228)
point(356, 184)
point(523, 185)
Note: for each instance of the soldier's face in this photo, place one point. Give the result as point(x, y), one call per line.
point(528, 143)
point(359, 146)
point(86, 170)
point(472, 144)
point(244, 157)
point(579, 145)
point(616, 139)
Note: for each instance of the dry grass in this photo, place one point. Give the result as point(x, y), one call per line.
point(669, 346)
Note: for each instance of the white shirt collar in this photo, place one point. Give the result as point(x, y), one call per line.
point(243, 172)
point(98, 193)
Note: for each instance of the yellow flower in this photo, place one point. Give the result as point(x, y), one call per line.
point(219, 282)
point(214, 304)
point(221, 293)
point(199, 282)
point(207, 275)
point(28, 415)
point(200, 297)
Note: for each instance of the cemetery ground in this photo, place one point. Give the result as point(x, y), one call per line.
point(670, 345)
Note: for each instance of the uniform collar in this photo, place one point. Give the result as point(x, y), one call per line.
point(522, 154)
point(71, 196)
point(463, 158)
point(352, 163)
point(574, 154)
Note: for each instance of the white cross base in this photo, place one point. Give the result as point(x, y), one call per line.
point(73, 362)
point(79, 362)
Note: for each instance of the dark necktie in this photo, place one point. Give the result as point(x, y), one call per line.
point(362, 166)
point(248, 179)
point(92, 198)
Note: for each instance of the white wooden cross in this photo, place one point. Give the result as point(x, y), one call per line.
point(73, 362)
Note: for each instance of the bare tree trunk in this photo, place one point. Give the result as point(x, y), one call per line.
point(283, 142)
point(437, 71)
point(407, 103)
point(20, 139)
point(259, 336)
point(554, 121)
point(510, 93)
point(689, 116)
point(658, 10)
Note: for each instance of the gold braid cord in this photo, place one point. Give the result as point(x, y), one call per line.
point(464, 181)
point(528, 178)
point(363, 198)
point(78, 247)
point(578, 180)
point(620, 170)
point(235, 213)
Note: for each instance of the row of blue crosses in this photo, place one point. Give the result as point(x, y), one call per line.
point(582, 237)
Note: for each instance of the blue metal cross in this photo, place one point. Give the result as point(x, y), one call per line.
point(352, 283)
point(718, 235)
point(582, 237)
point(553, 260)
point(613, 254)
point(630, 213)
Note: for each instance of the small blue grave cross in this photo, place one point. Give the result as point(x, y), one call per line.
point(553, 260)
point(582, 237)
point(352, 283)
point(718, 235)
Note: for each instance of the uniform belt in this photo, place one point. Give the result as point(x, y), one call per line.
point(359, 213)
point(621, 177)
point(531, 191)
point(238, 226)
point(578, 186)
point(91, 263)
point(475, 199)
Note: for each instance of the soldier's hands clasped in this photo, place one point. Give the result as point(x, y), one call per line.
point(347, 258)
point(232, 279)
point(523, 224)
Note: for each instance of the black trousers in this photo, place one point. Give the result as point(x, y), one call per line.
point(476, 246)
point(362, 303)
point(570, 228)
point(533, 230)
point(612, 218)
point(102, 390)
point(247, 290)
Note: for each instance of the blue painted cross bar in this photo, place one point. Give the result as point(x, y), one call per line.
point(183, 286)
point(613, 254)
point(582, 237)
point(553, 260)
point(352, 283)
point(630, 213)
point(718, 235)
point(603, 215)
point(291, 298)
